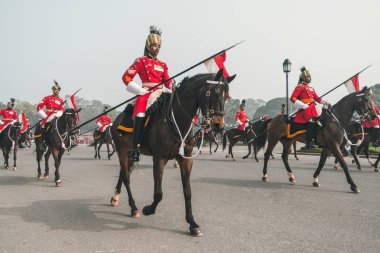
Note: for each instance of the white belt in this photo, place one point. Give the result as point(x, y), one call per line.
point(149, 84)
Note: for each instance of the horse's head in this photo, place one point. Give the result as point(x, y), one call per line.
point(70, 116)
point(363, 103)
point(213, 96)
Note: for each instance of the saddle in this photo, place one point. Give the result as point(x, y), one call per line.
point(294, 128)
point(126, 124)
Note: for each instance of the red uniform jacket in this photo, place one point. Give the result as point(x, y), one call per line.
point(372, 123)
point(151, 72)
point(8, 117)
point(306, 94)
point(105, 121)
point(51, 103)
point(242, 117)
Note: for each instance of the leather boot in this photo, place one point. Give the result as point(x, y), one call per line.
point(310, 135)
point(138, 129)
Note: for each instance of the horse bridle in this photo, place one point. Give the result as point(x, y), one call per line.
point(66, 134)
point(209, 110)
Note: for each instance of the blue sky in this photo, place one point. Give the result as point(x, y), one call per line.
point(89, 44)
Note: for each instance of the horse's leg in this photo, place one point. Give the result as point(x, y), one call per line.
point(336, 164)
point(295, 150)
point(271, 144)
point(113, 150)
point(15, 156)
point(366, 152)
point(255, 152)
point(108, 151)
point(115, 197)
point(232, 143)
point(186, 166)
point(39, 154)
point(322, 161)
point(96, 149)
point(47, 156)
point(355, 156)
point(125, 174)
point(249, 151)
point(210, 142)
point(57, 154)
point(335, 150)
point(287, 144)
point(100, 145)
point(217, 145)
point(158, 171)
point(5, 154)
point(376, 163)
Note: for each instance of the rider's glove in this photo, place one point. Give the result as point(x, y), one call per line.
point(136, 89)
point(42, 113)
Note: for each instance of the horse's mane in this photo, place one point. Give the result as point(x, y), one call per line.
point(185, 83)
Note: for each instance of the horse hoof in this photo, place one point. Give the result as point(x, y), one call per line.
point(14, 169)
point(40, 176)
point(135, 214)
point(316, 184)
point(147, 210)
point(46, 176)
point(353, 161)
point(244, 157)
point(114, 202)
point(196, 232)
point(336, 167)
point(359, 168)
point(227, 156)
point(292, 180)
point(297, 159)
point(355, 189)
point(233, 159)
point(58, 183)
point(376, 170)
point(264, 178)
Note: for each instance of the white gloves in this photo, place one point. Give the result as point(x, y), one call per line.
point(136, 89)
point(42, 114)
point(166, 90)
point(300, 105)
point(239, 122)
point(99, 124)
point(1, 122)
point(58, 114)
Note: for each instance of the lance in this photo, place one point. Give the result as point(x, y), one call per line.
point(292, 114)
point(88, 131)
point(186, 70)
point(55, 109)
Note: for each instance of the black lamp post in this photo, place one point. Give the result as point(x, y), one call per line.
point(287, 65)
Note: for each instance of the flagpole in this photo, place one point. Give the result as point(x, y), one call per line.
point(153, 87)
point(55, 109)
point(345, 81)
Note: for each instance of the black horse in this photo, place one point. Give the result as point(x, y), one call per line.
point(58, 139)
point(101, 138)
point(209, 136)
point(169, 136)
point(9, 141)
point(330, 137)
point(249, 135)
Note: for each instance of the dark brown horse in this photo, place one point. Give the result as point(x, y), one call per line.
point(169, 136)
point(9, 141)
point(356, 134)
point(209, 136)
point(101, 138)
point(249, 136)
point(330, 137)
point(57, 140)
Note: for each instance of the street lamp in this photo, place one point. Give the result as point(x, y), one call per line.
point(286, 66)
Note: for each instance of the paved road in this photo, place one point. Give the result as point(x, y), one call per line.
point(237, 212)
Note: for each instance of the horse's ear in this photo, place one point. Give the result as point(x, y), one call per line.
point(230, 78)
point(218, 75)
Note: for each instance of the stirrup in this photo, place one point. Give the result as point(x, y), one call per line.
point(134, 156)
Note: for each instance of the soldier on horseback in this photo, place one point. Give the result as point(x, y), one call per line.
point(308, 102)
point(9, 115)
point(241, 120)
point(103, 122)
point(54, 108)
point(151, 72)
point(373, 127)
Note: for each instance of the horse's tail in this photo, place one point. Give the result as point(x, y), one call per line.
point(261, 138)
point(225, 140)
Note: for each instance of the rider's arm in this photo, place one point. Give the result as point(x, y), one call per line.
point(40, 106)
point(165, 76)
point(128, 78)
